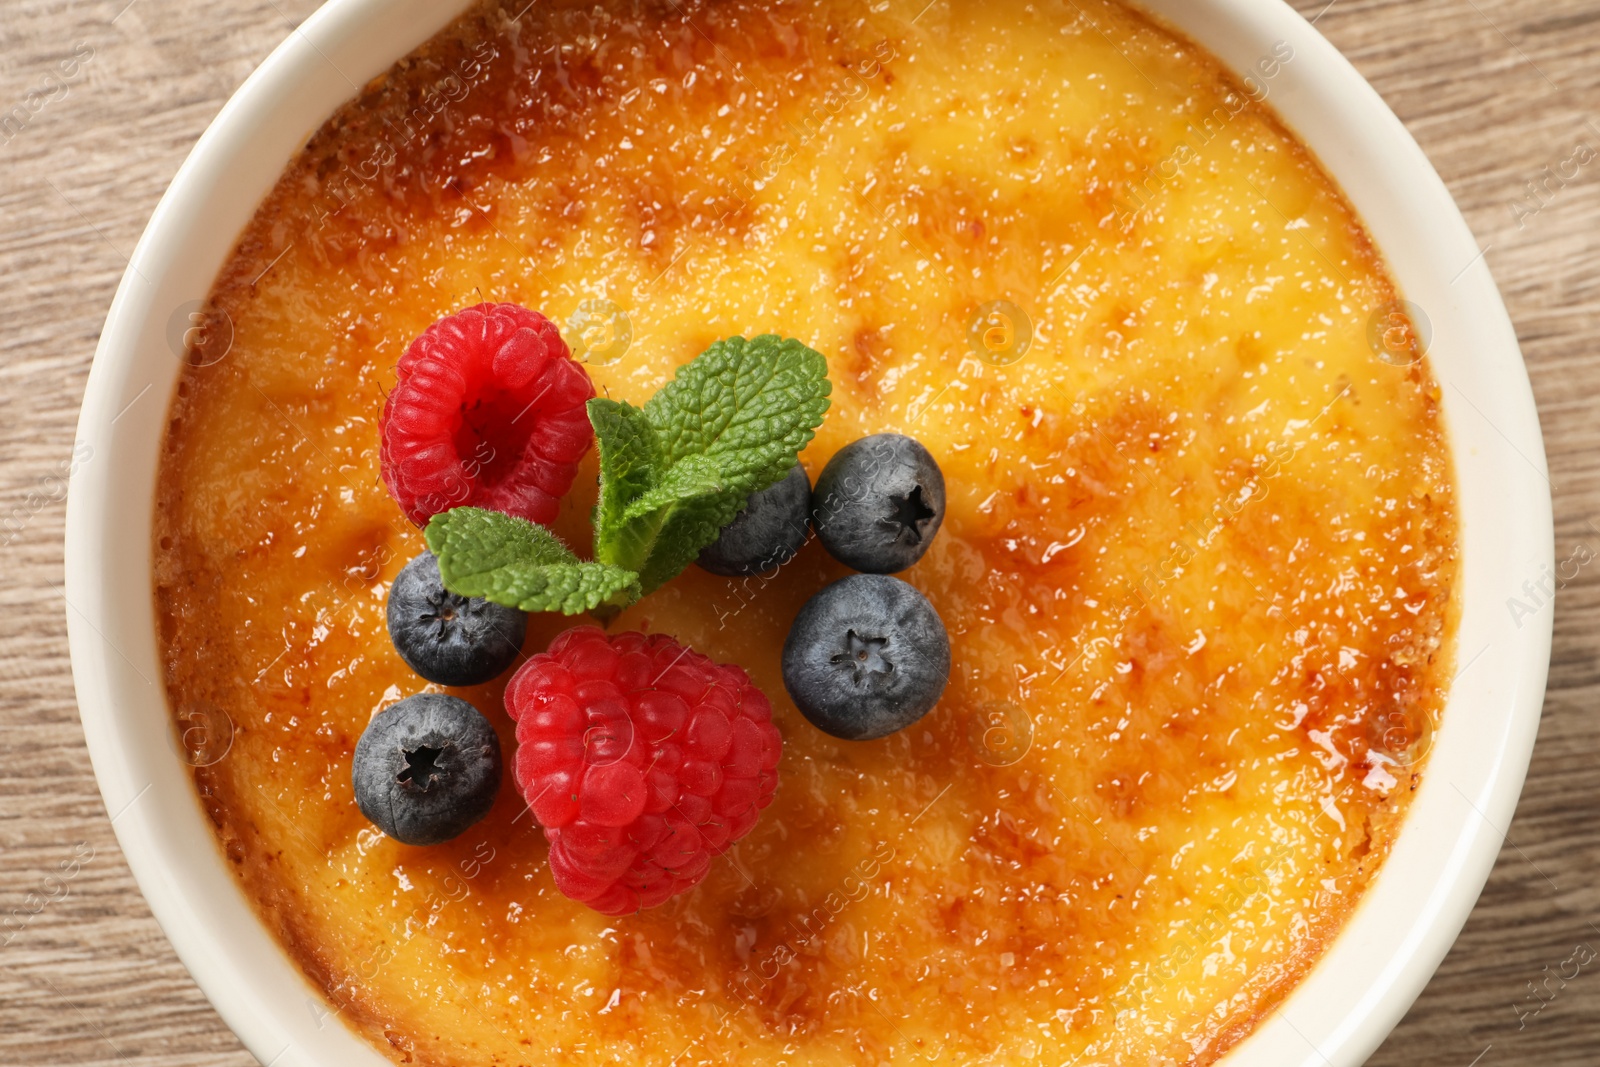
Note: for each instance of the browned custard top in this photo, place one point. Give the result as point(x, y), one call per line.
point(1197, 565)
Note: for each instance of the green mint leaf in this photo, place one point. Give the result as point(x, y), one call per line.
point(731, 422)
point(522, 565)
point(475, 540)
point(751, 405)
point(630, 457)
point(570, 588)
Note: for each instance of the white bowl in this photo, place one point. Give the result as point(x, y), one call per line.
point(1376, 967)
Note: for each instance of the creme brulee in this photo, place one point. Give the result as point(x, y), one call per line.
point(1197, 564)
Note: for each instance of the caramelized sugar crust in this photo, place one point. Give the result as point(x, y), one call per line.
point(1197, 567)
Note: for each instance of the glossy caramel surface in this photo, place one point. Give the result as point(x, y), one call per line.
point(1197, 566)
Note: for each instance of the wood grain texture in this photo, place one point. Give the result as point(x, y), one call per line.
point(1495, 91)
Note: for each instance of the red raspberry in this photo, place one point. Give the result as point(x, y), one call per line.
point(642, 760)
point(489, 411)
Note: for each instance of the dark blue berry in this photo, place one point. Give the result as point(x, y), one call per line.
point(878, 503)
point(450, 639)
point(767, 533)
point(865, 657)
point(426, 768)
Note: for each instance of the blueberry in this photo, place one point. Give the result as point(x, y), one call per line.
point(865, 657)
point(767, 533)
point(426, 768)
point(449, 639)
point(878, 503)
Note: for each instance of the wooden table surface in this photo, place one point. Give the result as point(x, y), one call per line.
point(1500, 93)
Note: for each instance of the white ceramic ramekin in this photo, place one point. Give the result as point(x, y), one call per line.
point(1398, 935)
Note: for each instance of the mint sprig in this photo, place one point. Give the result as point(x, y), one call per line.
point(521, 564)
point(732, 422)
point(673, 473)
